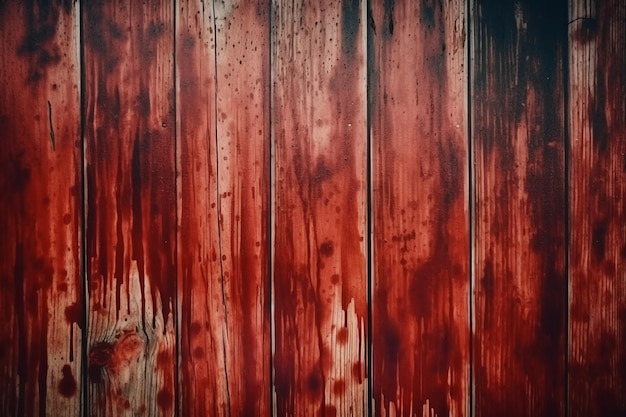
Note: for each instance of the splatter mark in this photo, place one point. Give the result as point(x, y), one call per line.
point(327, 249)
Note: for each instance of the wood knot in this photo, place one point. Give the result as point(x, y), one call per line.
point(116, 358)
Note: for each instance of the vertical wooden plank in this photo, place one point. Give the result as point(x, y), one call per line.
point(202, 378)
point(519, 218)
point(597, 356)
point(421, 222)
point(40, 210)
point(319, 138)
point(223, 121)
point(131, 211)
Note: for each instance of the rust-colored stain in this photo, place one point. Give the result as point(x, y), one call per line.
point(323, 208)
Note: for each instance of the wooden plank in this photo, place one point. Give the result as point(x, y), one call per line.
point(518, 134)
point(223, 101)
point(597, 355)
point(40, 210)
point(319, 139)
point(131, 206)
point(421, 222)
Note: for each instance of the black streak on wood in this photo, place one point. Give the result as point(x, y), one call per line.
point(52, 137)
point(519, 58)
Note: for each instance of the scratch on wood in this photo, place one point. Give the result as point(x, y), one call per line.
point(52, 138)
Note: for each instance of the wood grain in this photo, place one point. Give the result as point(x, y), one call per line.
point(597, 74)
point(223, 117)
point(319, 138)
point(517, 102)
point(40, 210)
point(421, 219)
point(131, 207)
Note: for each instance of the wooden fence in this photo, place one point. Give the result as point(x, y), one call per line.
point(313, 208)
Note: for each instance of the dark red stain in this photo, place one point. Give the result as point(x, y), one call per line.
point(329, 411)
point(342, 336)
point(67, 385)
point(165, 399)
point(39, 44)
point(339, 387)
point(164, 359)
point(327, 249)
point(74, 314)
point(315, 385)
point(100, 356)
point(586, 31)
point(357, 372)
point(198, 352)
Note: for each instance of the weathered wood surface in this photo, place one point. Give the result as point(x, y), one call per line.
point(223, 121)
point(173, 174)
point(131, 206)
point(319, 136)
point(40, 210)
point(597, 94)
point(517, 101)
point(421, 219)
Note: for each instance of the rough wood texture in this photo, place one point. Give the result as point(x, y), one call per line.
point(40, 210)
point(519, 212)
point(319, 136)
point(223, 117)
point(421, 222)
point(131, 206)
point(597, 355)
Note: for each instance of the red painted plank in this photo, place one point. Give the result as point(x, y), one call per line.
point(518, 50)
point(40, 185)
point(421, 222)
point(597, 109)
point(131, 206)
point(223, 101)
point(319, 139)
